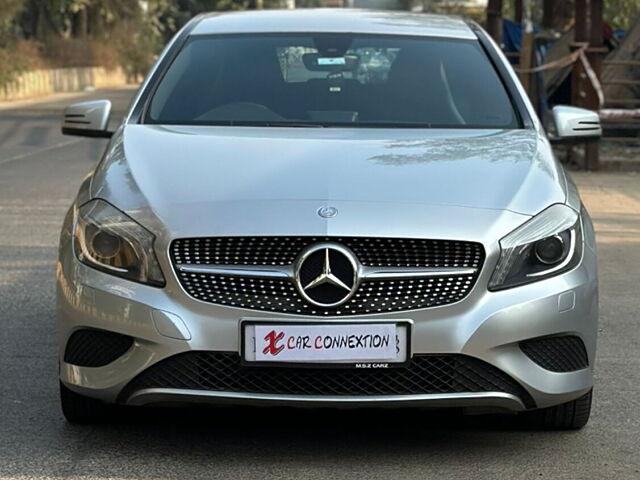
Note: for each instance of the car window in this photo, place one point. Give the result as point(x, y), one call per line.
point(332, 80)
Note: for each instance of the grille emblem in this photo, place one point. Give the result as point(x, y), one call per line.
point(326, 274)
point(327, 212)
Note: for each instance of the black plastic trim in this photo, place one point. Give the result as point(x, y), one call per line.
point(81, 132)
point(425, 374)
point(510, 86)
point(559, 353)
point(95, 348)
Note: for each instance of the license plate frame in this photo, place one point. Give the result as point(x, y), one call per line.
point(404, 330)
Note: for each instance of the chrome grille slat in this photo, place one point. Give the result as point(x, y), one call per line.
point(278, 271)
point(397, 274)
point(260, 271)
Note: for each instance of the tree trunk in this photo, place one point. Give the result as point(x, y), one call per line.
point(83, 23)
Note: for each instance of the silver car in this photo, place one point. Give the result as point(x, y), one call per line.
point(329, 208)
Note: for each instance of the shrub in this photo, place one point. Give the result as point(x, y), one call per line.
point(17, 58)
point(75, 52)
point(137, 50)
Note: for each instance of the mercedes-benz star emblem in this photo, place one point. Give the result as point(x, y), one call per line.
point(326, 274)
point(327, 212)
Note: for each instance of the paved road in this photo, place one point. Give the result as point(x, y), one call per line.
point(39, 173)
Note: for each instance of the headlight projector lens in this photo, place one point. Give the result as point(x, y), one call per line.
point(105, 245)
point(550, 250)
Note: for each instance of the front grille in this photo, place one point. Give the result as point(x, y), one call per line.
point(373, 296)
point(378, 252)
point(95, 348)
point(425, 374)
point(564, 353)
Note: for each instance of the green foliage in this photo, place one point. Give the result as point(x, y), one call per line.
point(10, 67)
point(131, 32)
point(11, 63)
point(9, 10)
point(17, 58)
point(193, 7)
point(621, 13)
point(308, 3)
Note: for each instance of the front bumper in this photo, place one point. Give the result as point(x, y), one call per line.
point(485, 325)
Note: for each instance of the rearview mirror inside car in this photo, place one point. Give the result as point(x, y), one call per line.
point(317, 63)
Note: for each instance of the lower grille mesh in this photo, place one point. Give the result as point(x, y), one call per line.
point(564, 353)
point(95, 348)
point(426, 374)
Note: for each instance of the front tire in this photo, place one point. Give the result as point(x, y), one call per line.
point(80, 409)
point(566, 416)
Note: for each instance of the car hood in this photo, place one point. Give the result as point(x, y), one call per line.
point(192, 178)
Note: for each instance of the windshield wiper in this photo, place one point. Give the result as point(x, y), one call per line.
point(296, 125)
point(252, 123)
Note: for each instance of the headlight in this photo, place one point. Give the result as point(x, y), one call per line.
point(108, 240)
point(547, 245)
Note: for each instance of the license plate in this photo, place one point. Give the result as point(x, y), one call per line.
point(360, 344)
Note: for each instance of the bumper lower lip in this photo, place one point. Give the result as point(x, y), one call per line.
point(168, 395)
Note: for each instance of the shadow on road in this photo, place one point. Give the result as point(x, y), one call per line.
point(264, 425)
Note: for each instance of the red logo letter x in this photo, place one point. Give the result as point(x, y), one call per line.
point(273, 339)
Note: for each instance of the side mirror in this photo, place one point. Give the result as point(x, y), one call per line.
point(87, 119)
point(576, 123)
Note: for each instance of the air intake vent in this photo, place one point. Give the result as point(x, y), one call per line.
point(559, 354)
point(426, 374)
point(95, 348)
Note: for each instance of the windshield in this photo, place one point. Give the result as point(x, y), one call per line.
point(332, 80)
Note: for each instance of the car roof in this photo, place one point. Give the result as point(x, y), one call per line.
point(334, 21)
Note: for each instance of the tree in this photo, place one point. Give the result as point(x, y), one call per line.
point(621, 13)
point(9, 10)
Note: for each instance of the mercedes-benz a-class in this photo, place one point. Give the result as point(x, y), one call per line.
point(329, 208)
